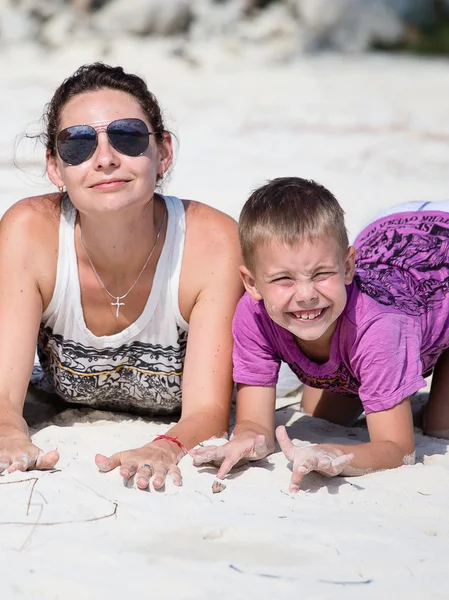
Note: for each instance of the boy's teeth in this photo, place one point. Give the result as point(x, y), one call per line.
point(308, 315)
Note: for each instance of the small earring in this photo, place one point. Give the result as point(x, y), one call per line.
point(61, 189)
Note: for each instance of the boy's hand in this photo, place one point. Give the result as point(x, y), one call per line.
point(326, 460)
point(242, 448)
point(19, 454)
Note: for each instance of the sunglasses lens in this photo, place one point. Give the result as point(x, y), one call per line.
point(75, 144)
point(129, 136)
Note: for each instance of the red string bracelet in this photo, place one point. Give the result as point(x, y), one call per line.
point(171, 439)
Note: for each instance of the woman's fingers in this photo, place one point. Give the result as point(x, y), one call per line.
point(128, 468)
point(141, 463)
point(105, 463)
point(20, 464)
point(143, 476)
point(175, 473)
point(47, 460)
point(160, 473)
point(27, 457)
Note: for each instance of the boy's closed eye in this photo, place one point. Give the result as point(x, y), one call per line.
point(323, 275)
point(283, 280)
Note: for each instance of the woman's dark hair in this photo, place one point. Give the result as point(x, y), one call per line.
point(94, 77)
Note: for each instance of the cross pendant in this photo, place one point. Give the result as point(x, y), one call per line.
point(118, 304)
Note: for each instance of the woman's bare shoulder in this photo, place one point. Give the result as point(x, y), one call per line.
point(210, 228)
point(36, 214)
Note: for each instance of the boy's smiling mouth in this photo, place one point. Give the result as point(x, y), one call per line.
point(308, 315)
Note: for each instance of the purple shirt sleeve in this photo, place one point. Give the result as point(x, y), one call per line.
point(386, 361)
point(256, 361)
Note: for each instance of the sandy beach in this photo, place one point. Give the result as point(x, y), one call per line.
point(375, 130)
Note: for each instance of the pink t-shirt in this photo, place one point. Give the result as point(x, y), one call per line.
point(394, 326)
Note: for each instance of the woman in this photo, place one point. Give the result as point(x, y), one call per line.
point(130, 294)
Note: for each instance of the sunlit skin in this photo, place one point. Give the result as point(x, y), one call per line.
point(295, 283)
point(303, 288)
point(119, 216)
point(108, 181)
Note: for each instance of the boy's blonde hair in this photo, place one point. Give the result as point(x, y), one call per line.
point(290, 210)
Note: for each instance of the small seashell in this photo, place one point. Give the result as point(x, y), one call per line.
point(218, 486)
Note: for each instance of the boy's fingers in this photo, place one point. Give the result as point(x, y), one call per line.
point(230, 461)
point(205, 455)
point(260, 446)
point(339, 463)
point(325, 463)
point(296, 478)
point(287, 446)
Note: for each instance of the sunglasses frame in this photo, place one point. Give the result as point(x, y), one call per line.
point(103, 126)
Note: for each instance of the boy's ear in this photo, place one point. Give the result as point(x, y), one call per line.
point(249, 282)
point(350, 265)
point(53, 170)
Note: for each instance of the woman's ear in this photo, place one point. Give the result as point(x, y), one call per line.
point(350, 265)
point(53, 170)
point(249, 282)
point(166, 153)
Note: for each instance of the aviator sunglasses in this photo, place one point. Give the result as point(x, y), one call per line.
point(128, 136)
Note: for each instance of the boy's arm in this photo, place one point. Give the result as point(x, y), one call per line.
point(252, 438)
point(436, 412)
point(392, 445)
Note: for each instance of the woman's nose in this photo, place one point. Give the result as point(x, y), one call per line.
point(105, 153)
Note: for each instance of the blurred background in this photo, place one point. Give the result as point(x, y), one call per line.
point(353, 93)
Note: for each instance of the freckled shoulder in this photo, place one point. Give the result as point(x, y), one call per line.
point(211, 260)
point(45, 209)
point(210, 233)
point(29, 235)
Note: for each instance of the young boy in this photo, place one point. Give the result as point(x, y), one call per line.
point(361, 333)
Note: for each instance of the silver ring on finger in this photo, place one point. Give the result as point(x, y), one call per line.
point(150, 468)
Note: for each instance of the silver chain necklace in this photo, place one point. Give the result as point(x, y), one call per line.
point(117, 299)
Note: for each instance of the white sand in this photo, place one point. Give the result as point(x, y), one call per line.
point(373, 129)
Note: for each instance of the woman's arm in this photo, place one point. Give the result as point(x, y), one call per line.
point(210, 288)
point(207, 378)
point(20, 315)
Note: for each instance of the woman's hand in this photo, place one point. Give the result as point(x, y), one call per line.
point(326, 460)
point(156, 459)
point(243, 447)
point(17, 453)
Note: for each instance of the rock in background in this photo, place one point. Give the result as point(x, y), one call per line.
point(277, 29)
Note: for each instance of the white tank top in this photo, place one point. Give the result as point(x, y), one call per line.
point(138, 369)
